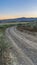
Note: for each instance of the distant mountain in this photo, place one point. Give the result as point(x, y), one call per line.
point(23, 19)
point(0, 21)
point(26, 19)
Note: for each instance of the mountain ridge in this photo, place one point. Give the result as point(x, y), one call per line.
point(22, 19)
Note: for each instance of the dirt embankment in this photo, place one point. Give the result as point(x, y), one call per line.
point(30, 27)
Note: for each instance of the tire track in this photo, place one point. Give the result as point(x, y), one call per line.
point(24, 58)
point(31, 43)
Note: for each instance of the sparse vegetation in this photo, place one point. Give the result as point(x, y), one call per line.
point(4, 46)
point(31, 26)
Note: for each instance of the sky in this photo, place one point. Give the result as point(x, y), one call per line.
point(18, 8)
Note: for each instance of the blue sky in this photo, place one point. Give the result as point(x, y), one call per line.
point(18, 8)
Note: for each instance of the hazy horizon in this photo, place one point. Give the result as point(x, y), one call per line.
point(10, 9)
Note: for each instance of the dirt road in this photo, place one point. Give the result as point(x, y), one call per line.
point(24, 46)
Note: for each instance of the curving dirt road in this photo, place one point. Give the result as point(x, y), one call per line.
point(24, 46)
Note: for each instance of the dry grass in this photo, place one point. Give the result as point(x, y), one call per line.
point(29, 26)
